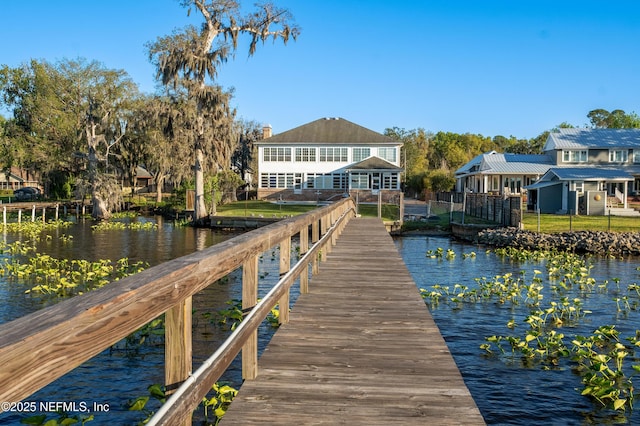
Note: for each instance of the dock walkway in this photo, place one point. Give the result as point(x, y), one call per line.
point(360, 348)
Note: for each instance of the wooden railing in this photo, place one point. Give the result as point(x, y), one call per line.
point(38, 348)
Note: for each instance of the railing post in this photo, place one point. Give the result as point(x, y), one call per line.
point(178, 352)
point(249, 300)
point(304, 247)
point(324, 226)
point(285, 266)
point(315, 231)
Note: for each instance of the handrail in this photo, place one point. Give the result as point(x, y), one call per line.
point(186, 398)
point(40, 347)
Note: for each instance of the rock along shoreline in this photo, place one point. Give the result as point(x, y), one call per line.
point(581, 242)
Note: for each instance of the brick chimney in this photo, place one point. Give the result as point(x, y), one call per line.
point(266, 131)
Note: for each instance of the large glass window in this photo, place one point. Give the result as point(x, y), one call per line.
point(333, 154)
point(360, 154)
point(305, 154)
point(618, 155)
point(390, 181)
point(276, 154)
point(574, 156)
point(359, 181)
point(279, 180)
point(388, 154)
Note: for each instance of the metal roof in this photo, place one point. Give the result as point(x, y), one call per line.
point(498, 163)
point(588, 173)
point(516, 163)
point(332, 130)
point(581, 138)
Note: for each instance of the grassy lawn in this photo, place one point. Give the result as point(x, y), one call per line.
point(267, 209)
point(552, 223)
point(264, 208)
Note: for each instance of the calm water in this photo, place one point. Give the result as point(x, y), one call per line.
point(123, 373)
point(505, 393)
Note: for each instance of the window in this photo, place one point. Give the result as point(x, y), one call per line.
point(578, 186)
point(574, 156)
point(311, 180)
point(359, 181)
point(618, 155)
point(636, 155)
point(390, 181)
point(388, 154)
point(360, 154)
point(276, 154)
point(495, 183)
point(339, 181)
point(279, 180)
point(333, 154)
point(513, 185)
point(305, 154)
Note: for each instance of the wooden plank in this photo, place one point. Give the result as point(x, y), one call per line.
point(249, 300)
point(38, 348)
point(360, 348)
point(178, 346)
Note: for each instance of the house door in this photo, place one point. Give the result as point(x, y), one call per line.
point(297, 183)
point(375, 183)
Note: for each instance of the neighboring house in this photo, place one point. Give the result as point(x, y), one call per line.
point(15, 179)
point(498, 173)
point(585, 171)
point(326, 159)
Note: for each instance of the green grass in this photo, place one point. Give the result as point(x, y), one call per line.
point(264, 208)
point(552, 223)
point(390, 212)
point(267, 209)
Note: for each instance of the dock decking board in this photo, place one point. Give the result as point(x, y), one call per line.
point(360, 348)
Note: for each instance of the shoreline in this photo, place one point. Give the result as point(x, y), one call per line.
point(600, 243)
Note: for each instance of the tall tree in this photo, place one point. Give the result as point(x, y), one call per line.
point(616, 119)
point(249, 132)
point(194, 56)
point(415, 154)
point(68, 116)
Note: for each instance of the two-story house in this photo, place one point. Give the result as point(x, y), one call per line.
point(585, 171)
point(326, 159)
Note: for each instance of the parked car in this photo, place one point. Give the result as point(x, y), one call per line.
point(27, 193)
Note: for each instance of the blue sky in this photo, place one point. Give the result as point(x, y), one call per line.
point(490, 67)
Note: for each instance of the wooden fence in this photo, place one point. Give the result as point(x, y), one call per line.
point(38, 348)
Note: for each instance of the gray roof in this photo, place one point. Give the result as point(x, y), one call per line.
point(592, 138)
point(587, 173)
point(498, 163)
point(332, 130)
point(374, 163)
point(475, 162)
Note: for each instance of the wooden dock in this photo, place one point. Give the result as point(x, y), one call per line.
point(360, 348)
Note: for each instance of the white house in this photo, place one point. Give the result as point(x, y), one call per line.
point(326, 159)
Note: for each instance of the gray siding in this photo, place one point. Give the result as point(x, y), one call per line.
point(550, 198)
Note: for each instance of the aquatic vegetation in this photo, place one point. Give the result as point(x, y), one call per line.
point(214, 407)
point(219, 403)
point(230, 317)
point(545, 326)
point(116, 225)
point(61, 277)
point(33, 230)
